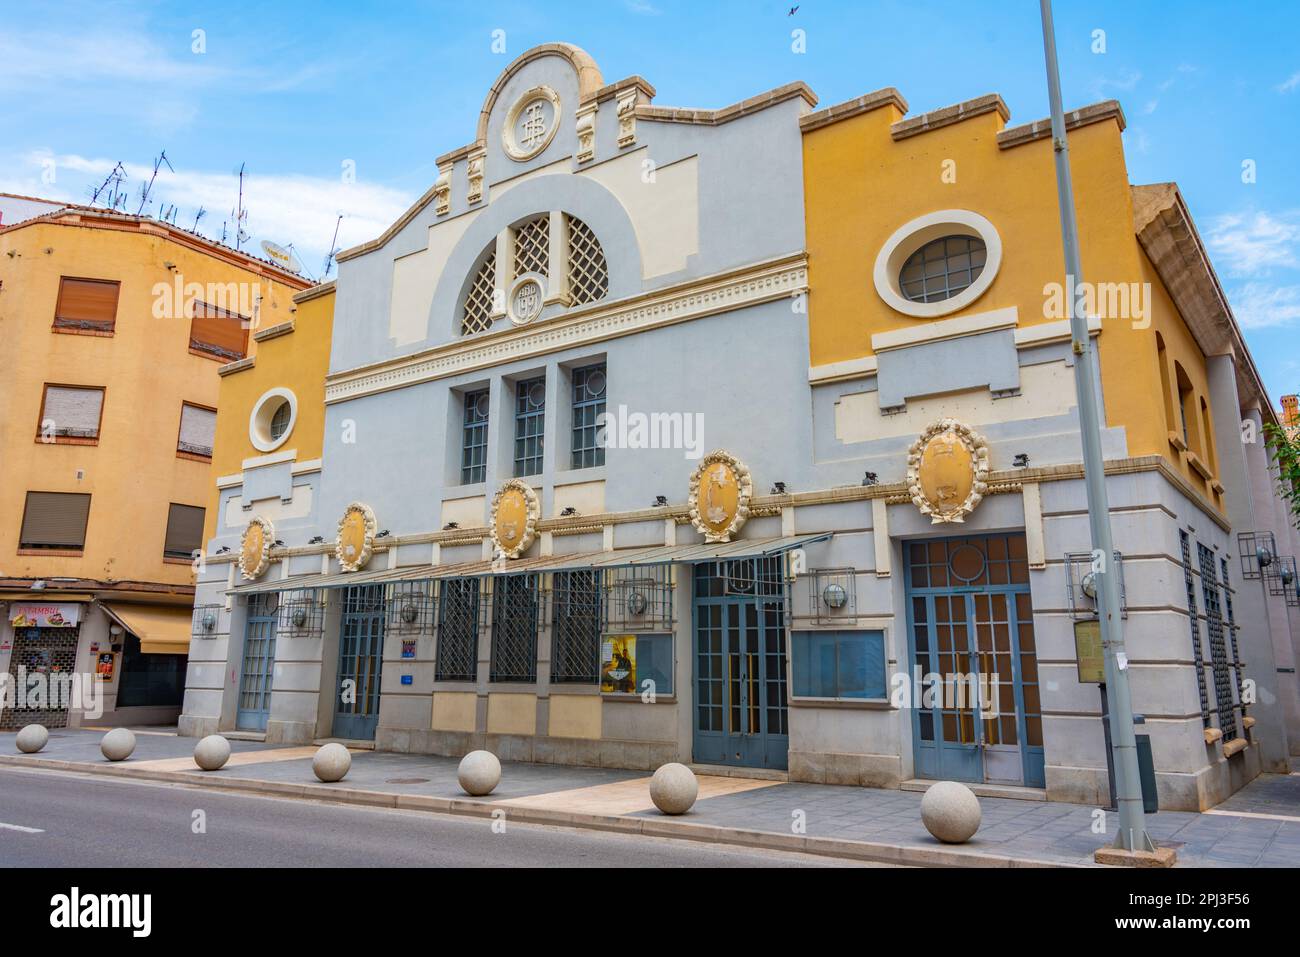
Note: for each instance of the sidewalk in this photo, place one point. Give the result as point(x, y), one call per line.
point(1257, 827)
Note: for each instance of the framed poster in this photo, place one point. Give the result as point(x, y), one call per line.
point(105, 666)
point(1088, 652)
point(618, 664)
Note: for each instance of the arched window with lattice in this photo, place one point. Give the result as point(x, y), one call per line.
point(476, 313)
point(532, 246)
point(588, 271)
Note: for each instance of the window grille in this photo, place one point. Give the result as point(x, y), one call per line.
point(588, 405)
point(1197, 657)
point(473, 458)
point(460, 616)
point(639, 598)
point(477, 313)
point(532, 246)
point(1218, 648)
point(832, 595)
point(1232, 632)
point(530, 425)
point(588, 270)
point(410, 609)
point(205, 620)
point(575, 641)
point(942, 268)
point(515, 604)
point(302, 613)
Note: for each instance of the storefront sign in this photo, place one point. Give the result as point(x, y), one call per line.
point(1088, 652)
point(35, 615)
point(618, 664)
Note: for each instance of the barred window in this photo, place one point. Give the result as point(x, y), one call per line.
point(515, 601)
point(1232, 633)
point(588, 406)
point(532, 246)
point(476, 313)
point(1218, 647)
point(473, 457)
point(530, 425)
point(575, 641)
point(458, 622)
point(1197, 657)
point(942, 268)
point(588, 271)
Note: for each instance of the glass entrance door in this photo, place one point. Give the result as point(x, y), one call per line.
point(257, 673)
point(361, 658)
point(971, 642)
point(741, 715)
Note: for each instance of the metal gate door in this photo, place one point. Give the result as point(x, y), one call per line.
point(257, 673)
point(969, 613)
point(741, 713)
point(51, 652)
point(361, 658)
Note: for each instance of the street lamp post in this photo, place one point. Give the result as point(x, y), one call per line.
point(1132, 834)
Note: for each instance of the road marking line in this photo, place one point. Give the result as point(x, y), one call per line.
point(19, 827)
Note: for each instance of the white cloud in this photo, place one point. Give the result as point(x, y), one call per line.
point(284, 207)
point(1124, 81)
point(1252, 244)
point(1290, 84)
point(1259, 305)
point(642, 8)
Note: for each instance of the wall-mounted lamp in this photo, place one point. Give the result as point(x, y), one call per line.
point(450, 525)
point(660, 501)
point(317, 540)
point(568, 510)
point(384, 534)
point(834, 595)
point(870, 478)
point(778, 488)
point(208, 622)
point(1021, 461)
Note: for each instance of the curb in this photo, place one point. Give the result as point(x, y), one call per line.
point(871, 851)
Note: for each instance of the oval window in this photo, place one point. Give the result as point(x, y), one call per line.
point(942, 268)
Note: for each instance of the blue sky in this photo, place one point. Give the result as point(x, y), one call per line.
point(297, 89)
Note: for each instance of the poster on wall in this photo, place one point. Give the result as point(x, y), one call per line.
point(618, 664)
point(44, 615)
point(105, 665)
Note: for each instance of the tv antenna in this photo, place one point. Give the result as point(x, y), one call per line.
point(197, 216)
point(147, 188)
point(115, 177)
point(240, 214)
point(329, 256)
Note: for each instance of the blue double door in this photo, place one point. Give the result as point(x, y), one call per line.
point(361, 660)
point(976, 709)
point(741, 714)
point(257, 672)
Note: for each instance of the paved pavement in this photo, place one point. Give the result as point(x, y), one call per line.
point(1259, 826)
point(82, 820)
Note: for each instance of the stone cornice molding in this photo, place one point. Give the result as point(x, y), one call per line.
point(753, 285)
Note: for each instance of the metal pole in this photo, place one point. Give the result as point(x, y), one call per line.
point(1128, 786)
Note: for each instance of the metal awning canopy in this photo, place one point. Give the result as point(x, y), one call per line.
point(625, 557)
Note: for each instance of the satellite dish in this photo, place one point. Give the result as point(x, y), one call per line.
point(282, 257)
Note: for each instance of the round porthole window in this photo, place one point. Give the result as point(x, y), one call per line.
point(272, 419)
point(938, 263)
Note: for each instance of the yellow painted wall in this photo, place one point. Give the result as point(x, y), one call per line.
point(860, 185)
point(296, 361)
point(134, 473)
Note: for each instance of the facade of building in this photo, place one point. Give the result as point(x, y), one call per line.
point(114, 328)
point(659, 434)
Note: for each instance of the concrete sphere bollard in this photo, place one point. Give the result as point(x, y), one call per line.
point(118, 744)
point(212, 753)
point(479, 773)
point(332, 762)
point(951, 812)
point(32, 738)
point(674, 788)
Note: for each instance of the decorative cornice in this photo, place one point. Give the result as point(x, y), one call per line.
point(889, 96)
point(671, 114)
point(317, 291)
point(1042, 129)
point(274, 332)
point(753, 285)
point(965, 110)
point(230, 368)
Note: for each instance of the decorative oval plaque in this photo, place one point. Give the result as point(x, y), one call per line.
point(515, 511)
point(255, 548)
point(721, 488)
point(946, 471)
point(355, 542)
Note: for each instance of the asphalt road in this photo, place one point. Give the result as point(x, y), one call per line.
point(60, 819)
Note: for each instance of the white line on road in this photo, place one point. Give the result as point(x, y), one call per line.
point(19, 827)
